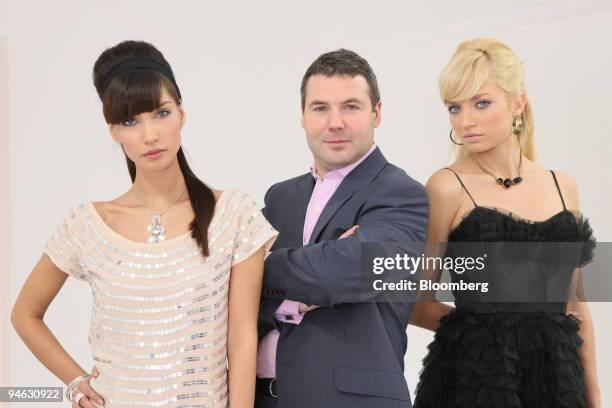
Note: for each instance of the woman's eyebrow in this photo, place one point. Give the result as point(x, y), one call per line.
point(471, 99)
point(480, 96)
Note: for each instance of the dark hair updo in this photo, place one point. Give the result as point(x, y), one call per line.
point(135, 91)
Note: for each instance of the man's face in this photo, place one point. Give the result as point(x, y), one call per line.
point(338, 119)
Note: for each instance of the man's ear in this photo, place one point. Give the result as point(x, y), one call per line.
point(377, 113)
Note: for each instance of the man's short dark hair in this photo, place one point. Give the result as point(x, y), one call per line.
point(342, 62)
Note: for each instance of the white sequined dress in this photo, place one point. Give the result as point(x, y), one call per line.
point(159, 321)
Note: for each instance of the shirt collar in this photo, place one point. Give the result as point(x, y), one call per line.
point(344, 171)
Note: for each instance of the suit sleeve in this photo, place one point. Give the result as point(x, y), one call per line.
point(329, 273)
point(266, 320)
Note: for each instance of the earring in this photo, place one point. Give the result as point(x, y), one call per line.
point(517, 125)
point(453, 140)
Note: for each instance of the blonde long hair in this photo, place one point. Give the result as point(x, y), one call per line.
point(473, 64)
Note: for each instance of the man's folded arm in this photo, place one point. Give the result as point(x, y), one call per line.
point(329, 273)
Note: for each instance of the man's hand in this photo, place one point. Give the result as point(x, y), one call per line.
point(349, 232)
point(306, 308)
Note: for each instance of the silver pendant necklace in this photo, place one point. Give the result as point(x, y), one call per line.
point(155, 229)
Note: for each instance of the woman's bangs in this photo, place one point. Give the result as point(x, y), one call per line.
point(132, 93)
point(462, 79)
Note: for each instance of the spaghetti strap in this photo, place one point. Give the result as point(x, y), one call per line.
point(558, 189)
point(462, 185)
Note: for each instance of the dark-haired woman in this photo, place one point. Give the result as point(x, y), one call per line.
point(175, 267)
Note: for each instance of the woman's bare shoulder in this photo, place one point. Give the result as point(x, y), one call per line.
point(569, 189)
point(444, 185)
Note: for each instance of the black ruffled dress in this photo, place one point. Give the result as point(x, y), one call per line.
point(504, 354)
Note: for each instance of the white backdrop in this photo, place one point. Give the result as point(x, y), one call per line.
point(239, 66)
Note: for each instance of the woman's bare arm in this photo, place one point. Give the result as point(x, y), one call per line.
point(244, 295)
point(587, 350)
point(580, 307)
point(444, 193)
point(39, 290)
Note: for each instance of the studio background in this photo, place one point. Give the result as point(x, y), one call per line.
point(239, 65)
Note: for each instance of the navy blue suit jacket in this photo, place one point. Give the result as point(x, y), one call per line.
point(347, 353)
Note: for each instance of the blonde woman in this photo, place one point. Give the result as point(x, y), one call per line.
point(175, 267)
point(502, 354)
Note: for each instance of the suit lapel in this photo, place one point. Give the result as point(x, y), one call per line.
point(361, 175)
point(298, 204)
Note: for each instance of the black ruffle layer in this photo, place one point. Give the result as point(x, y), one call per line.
point(514, 360)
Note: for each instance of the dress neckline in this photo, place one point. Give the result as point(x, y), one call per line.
point(510, 215)
point(99, 221)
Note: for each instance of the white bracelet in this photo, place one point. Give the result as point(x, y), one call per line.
point(74, 384)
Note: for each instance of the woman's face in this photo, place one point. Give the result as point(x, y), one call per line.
point(485, 121)
point(152, 139)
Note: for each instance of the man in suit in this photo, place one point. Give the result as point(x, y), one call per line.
point(321, 343)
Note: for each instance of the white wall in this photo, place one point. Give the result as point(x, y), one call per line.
point(239, 65)
point(4, 212)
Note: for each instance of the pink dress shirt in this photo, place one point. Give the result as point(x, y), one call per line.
point(288, 311)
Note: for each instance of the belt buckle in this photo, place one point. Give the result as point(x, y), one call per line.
point(270, 388)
